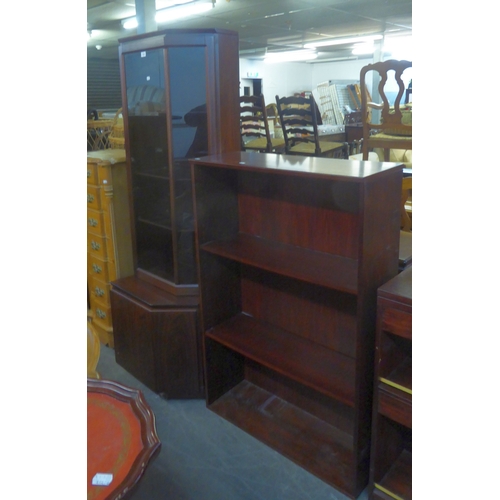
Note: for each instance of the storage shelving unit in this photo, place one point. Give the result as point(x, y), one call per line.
point(391, 457)
point(291, 251)
point(180, 100)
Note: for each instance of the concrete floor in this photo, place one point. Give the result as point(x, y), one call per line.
point(204, 457)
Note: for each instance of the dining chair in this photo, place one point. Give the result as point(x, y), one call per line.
point(391, 129)
point(254, 126)
point(298, 118)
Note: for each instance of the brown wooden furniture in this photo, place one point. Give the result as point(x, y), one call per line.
point(121, 439)
point(388, 132)
point(390, 467)
point(405, 250)
point(109, 237)
point(298, 118)
point(291, 252)
point(406, 204)
point(254, 126)
point(183, 86)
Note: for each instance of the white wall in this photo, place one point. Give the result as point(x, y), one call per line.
point(278, 79)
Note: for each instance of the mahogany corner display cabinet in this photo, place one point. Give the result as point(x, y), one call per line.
point(180, 101)
point(391, 455)
point(291, 252)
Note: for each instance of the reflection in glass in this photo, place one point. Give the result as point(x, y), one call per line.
point(162, 196)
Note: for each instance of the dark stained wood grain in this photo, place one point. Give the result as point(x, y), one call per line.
point(330, 373)
point(291, 252)
point(318, 268)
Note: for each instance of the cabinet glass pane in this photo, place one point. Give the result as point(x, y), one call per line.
point(147, 121)
point(189, 139)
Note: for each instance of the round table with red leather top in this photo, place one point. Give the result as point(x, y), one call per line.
point(121, 439)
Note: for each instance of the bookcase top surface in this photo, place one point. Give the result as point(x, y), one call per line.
point(299, 165)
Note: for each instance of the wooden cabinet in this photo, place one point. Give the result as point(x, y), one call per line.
point(109, 241)
point(390, 469)
point(291, 252)
point(180, 100)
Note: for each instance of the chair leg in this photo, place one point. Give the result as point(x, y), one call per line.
point(364, 150)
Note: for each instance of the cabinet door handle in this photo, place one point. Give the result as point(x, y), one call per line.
point(90, 198)
point(89, 173)
point(97, 269)
point(93, 222)
point(99, 291)
point(95, 245)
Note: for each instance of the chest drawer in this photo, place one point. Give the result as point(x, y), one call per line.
point(100, 246)
point(394, 404)
point(92, 173)
point(99, 223)
point(103, 270)
point(94, 198)
point(101, 313)
point(397, 322)
point(100, 290)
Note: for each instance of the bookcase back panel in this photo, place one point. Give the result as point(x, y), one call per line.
point(325, 218)
point(325, 316)
point(338, 415)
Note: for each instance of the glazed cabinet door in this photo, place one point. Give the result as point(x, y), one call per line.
point(167, 124)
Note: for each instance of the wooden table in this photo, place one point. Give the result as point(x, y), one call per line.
point(121, 439)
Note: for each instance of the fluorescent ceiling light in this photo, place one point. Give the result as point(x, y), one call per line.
point(292, 55)
point(173, 13)
point(363, 48)
point(343, 41)
point(176, 10)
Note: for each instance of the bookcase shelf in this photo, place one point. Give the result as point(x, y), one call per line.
point(304, 264)
point(291, 251)
point(332, 373)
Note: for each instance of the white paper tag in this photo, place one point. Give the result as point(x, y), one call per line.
point(101, 479)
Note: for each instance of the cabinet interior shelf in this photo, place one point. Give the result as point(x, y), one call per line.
point(159, 173)
point(397, 481)
point(401, 376)
point(331, 373)
point(295, 432)
point(319, 268)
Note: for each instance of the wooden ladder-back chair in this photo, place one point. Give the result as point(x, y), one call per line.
point(393, 129)
point(254, 127)
point(298, 118)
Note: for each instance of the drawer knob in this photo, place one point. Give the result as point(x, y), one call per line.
point(89, 173)
point(95, 245)
point(90, 198)
point(93, 222)
point(97, 269)
point(99, 291)
point(100, 314)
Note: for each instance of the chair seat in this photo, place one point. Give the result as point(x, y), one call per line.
point(390, 137)
point(261, 143)
point(310, 148)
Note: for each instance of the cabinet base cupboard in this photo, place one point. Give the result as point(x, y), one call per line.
point(291, 252)
point(180, 101)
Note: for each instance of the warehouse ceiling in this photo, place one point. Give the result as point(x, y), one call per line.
point(263, 25)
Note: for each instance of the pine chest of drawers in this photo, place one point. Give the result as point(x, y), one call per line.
point(109, 241)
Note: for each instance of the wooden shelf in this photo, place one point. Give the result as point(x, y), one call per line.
point(318, 268)
point(331, 373)
point(397, 481)
point(400, 377)
point(297, 434)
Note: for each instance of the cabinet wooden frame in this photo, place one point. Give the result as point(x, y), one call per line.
point(156, 311)
point(291, 251)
